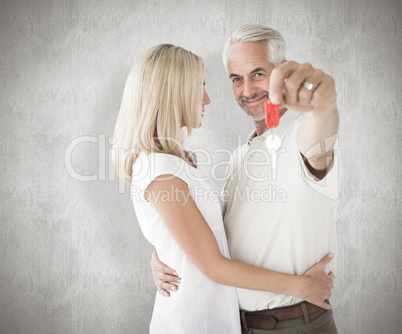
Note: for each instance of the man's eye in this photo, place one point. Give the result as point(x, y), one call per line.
point(258, 74)
point(235, 79)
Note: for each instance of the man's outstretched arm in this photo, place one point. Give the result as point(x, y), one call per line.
point(301, 87)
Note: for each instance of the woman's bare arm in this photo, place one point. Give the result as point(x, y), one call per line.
point(192, 233)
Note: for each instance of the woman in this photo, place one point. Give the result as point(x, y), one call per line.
point(165, 93)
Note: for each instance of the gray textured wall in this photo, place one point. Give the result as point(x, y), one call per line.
point(72, 257)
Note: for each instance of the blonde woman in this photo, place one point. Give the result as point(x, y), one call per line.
point(165, 93)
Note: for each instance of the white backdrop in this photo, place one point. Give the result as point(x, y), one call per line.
point(72, 257)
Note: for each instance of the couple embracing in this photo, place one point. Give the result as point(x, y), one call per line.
point(238, 265)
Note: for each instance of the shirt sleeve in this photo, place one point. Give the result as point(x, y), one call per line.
point(148, 167)
point(327, 186)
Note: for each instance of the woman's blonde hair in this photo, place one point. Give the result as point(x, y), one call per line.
point(163, 94)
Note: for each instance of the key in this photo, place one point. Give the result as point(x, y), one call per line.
point(273, 142)
point(271, 114)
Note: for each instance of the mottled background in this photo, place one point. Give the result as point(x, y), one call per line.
point(72, 257)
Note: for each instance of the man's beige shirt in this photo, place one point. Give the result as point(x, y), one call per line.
point(282, 218)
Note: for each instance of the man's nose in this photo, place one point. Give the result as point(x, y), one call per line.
point(248, 88)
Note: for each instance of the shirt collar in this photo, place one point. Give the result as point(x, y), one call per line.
point(284, 123)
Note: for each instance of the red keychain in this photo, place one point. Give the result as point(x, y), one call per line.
point(273, 141)
point(271, 114)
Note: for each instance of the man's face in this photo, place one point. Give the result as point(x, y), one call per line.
point(249, 70)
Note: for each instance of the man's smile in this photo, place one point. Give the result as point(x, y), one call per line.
point(255, 101)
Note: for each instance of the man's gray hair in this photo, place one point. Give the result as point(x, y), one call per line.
point(254, 33)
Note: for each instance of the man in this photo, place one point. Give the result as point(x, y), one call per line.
point(291, 230)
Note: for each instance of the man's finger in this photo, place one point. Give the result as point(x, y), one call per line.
point(326, 260)
point(167, 286)
point(325, 306)
point(293, 85)
point(164, 292)
point(305, 95)
point(158, 265)
point(170, 278)
point(277, 80)
point(167, 270)
point(324, 97)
